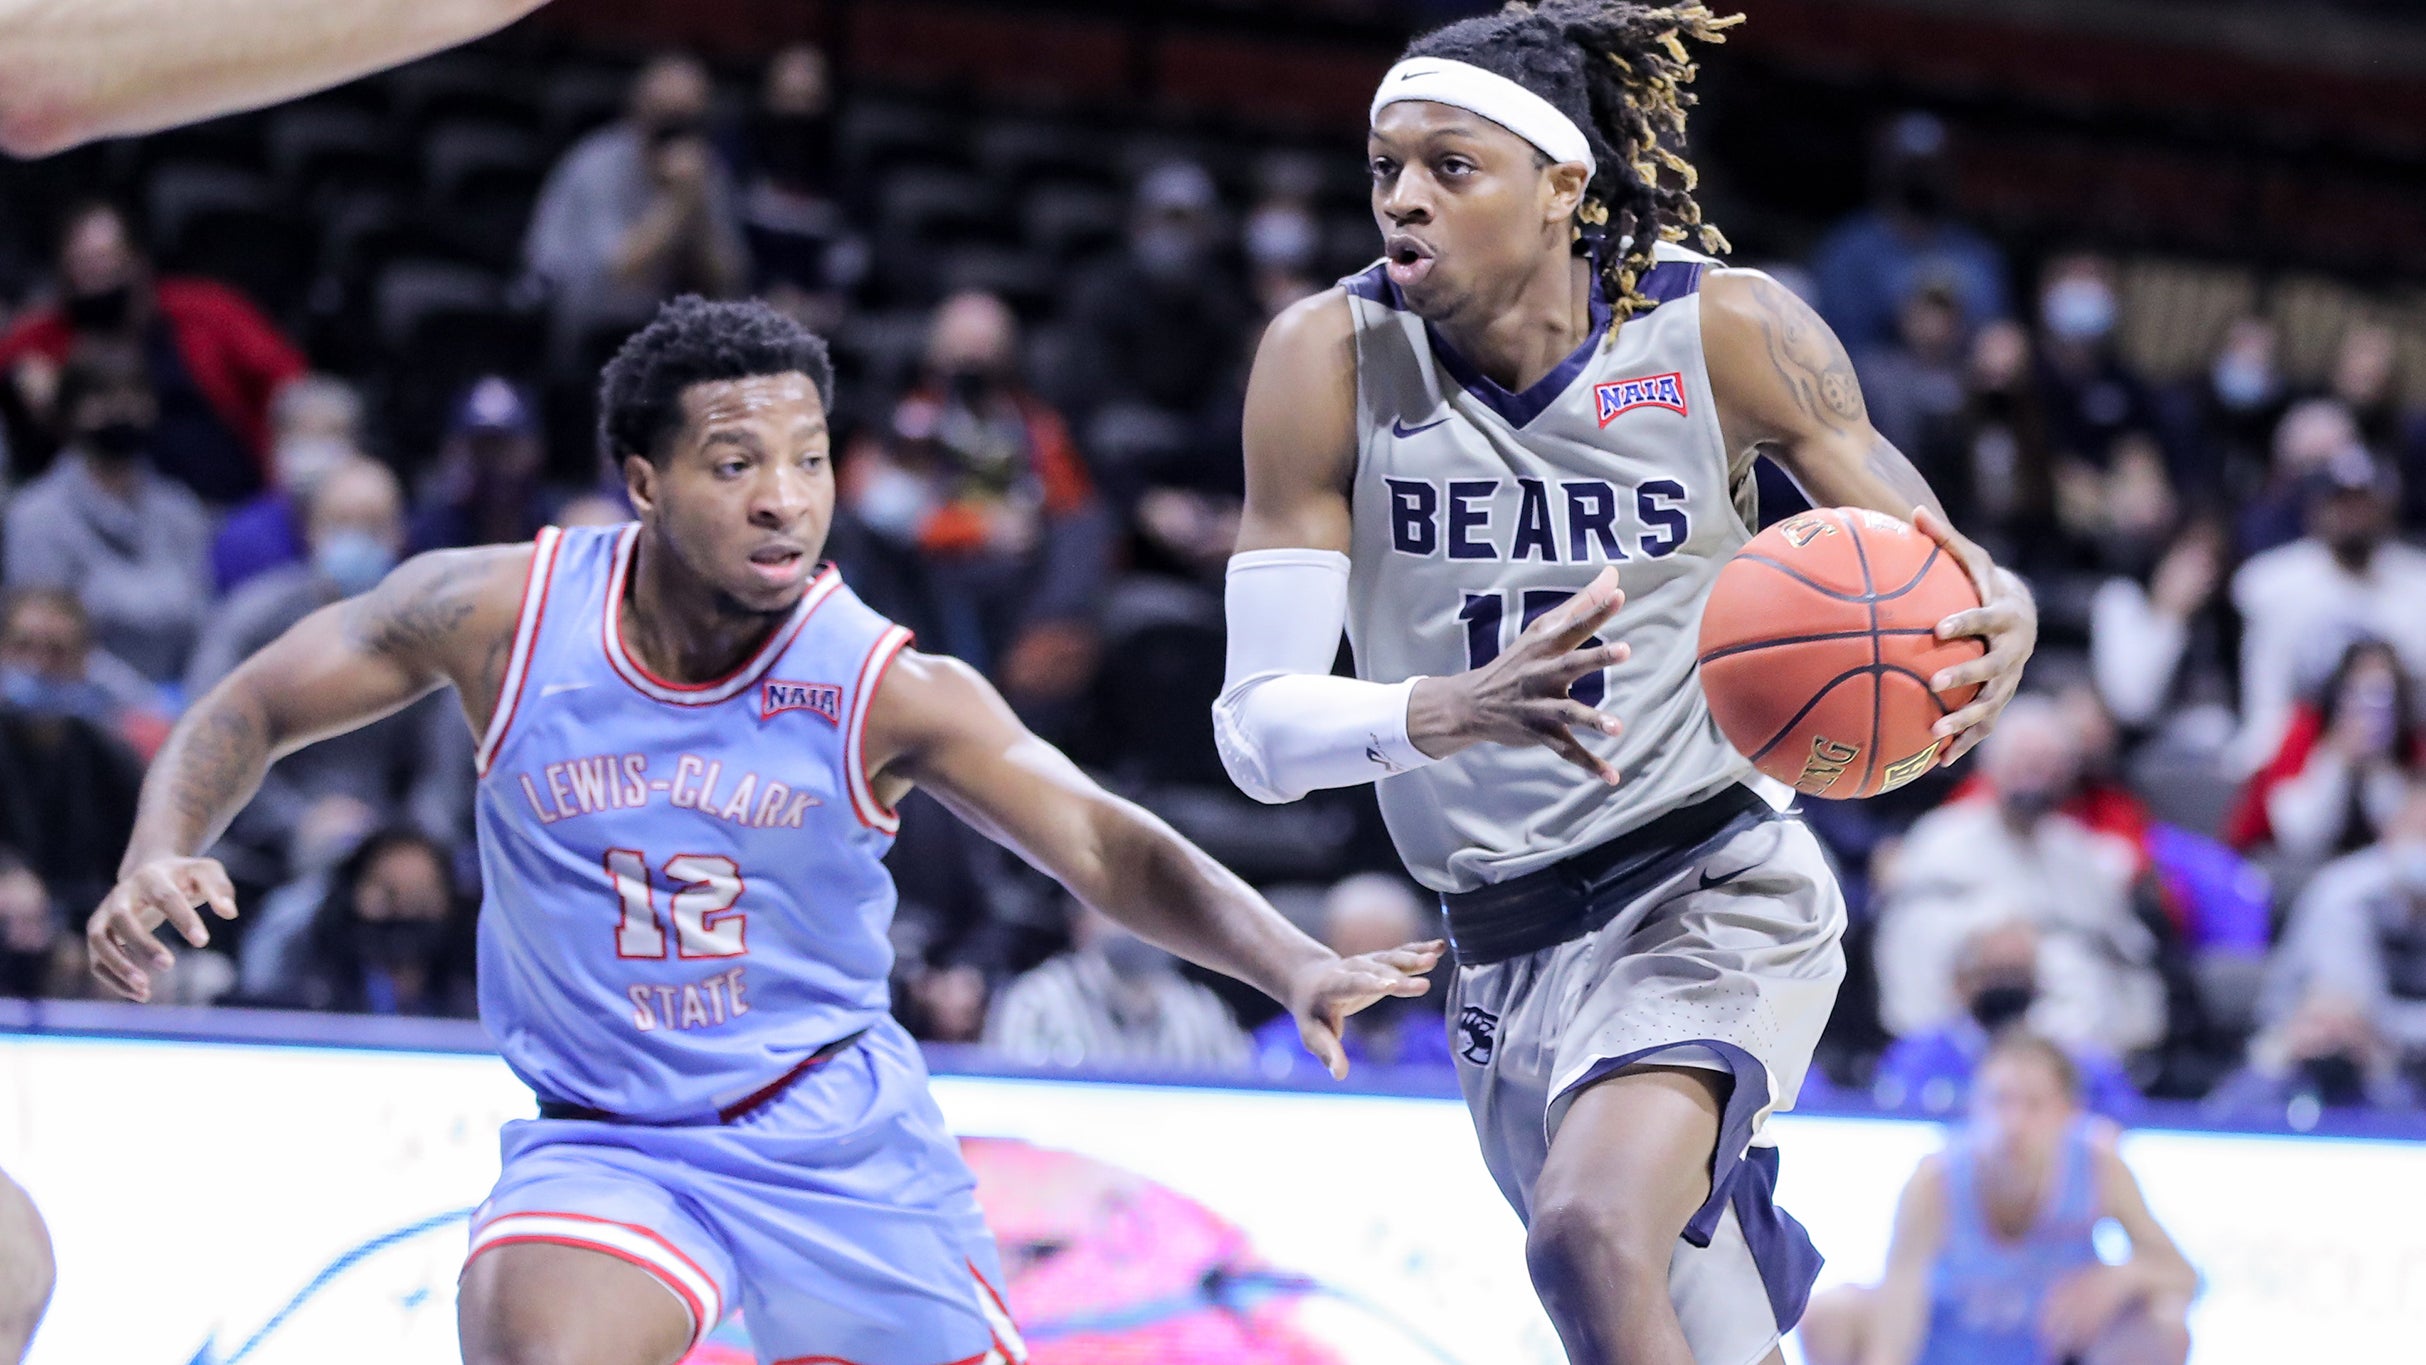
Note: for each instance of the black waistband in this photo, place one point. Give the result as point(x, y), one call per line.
point(560, 1109)
point(1576, 895)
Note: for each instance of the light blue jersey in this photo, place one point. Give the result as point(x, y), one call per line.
point(685, 896)
point(1986, 1290)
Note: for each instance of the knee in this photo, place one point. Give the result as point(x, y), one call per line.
point(1584, 1239)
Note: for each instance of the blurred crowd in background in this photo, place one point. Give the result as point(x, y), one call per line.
point(286, 351)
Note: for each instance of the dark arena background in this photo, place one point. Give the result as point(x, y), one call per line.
point(2138, 285)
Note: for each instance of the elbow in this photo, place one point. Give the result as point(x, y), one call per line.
point(1243, 754)
point(36, 123)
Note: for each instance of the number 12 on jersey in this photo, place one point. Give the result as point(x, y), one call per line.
point(705, 885)
point(1486, 612)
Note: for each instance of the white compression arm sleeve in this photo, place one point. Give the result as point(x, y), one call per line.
point(1283, 723)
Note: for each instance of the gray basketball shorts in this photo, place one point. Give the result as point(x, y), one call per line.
point(1729, 962)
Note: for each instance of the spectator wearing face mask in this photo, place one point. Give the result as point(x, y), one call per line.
point(2327, 1054)
point(132, 545)
point(1368, 913)
point(2365, 380)
point(68, 787)
point(2313, 435)
point(35, 959)
point(1159, 328)
point(805, 256)
point(2229, 412)
point(2344, 765)
point(981, 526)
point(1996, 980)
point(316, 425)
point(1877, 258)
point(1113, 1000)
point(50, 666)
point(2014, 855)
point(637, 212)
point(2091, 401)
point(410, 764)
point(390, 938)
point(2358, 935)
point(212, 360)
point(488, 487)
point(2300, 603)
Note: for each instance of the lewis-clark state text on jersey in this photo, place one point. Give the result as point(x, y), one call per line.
point(1477, 509)
point(684, 888)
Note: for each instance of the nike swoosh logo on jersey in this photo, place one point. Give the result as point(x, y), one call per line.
point(1709, 881)
point(553, 688)
point(1399, 427)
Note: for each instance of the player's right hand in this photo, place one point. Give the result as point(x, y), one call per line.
point(1521, 697)
point(119, 935)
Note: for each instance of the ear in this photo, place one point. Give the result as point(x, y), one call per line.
point(640, 483)
point(1565, 183)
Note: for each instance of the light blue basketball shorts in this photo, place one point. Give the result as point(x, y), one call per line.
point(838, 1217)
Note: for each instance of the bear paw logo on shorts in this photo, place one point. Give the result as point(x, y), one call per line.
point(1477, 1029)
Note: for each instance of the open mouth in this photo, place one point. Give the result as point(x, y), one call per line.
point(779, 565)
point(1406, 258)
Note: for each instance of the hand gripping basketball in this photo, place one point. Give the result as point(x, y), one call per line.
point(1521, 697)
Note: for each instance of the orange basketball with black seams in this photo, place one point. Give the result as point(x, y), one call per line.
point(1818, 644)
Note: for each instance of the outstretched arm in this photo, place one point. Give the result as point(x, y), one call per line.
point(74, 70)
point(1786, 389)
point(441, 617)
point(937, 724)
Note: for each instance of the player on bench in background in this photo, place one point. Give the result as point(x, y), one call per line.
point(693, 737)
point(1459, 454)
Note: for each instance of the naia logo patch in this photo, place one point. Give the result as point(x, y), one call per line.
point(1650, 391)
point(823, 699)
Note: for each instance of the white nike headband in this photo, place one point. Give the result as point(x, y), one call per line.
point(1495, 97)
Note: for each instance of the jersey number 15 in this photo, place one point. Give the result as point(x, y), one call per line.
point(705, 885)
point(1486, 614)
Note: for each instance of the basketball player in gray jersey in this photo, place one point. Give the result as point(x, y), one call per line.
point(1535, 397)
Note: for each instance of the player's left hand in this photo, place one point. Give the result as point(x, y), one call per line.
point(2081, 1306)
point(2007, 619)
point(1327, 992)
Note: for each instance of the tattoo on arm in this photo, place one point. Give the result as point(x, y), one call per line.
point(202, 776)
point(413, 623)
point(1809, 359)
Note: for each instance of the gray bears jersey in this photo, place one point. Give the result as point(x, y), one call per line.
point(1476, 509)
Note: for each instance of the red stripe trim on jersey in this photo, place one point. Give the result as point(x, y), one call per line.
point(536, 579)
point(650, 1233)
point(871, 812)
point(724, 688)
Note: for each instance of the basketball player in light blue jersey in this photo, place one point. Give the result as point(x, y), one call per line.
point(1537, 396)
point(692, 740)
point(1994, 1261)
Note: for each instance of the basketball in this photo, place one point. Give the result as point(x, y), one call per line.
point(1818, 645)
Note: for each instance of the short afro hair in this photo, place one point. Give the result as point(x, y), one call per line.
point(695, 341)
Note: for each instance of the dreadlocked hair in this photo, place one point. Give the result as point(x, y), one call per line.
point(1619, 70)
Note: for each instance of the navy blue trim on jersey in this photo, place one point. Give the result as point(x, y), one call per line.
point(1664, 282)
point(1747, 1096)
point(1789, 1263)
